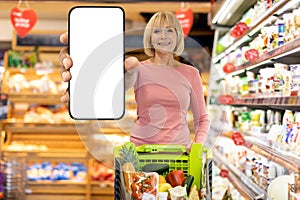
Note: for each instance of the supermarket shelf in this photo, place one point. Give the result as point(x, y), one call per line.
point(279, 103)
point(19, 126)
point(252, 30)
point(45, 99)
point(56, 183)
point(57, 188)
point(54, 153)
point(288, 50)
point(288, 53)
point(267, 149)
point(96, 189)
point(283, 158)
point(239, 180)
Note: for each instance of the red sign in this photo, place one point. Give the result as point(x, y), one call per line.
point(251, 54)
point(228, 67)
point(225, 99)
point(224, 173)
point(186, 19)
point(239, 29)
point(23, 21)
point(238, 138)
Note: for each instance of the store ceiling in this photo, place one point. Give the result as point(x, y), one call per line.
point(60, 9)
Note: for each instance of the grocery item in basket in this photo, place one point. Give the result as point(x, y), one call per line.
point(164, 187)
point(128, 171)
point(128, 159)
point(188, 183)
point(156, 167)
point(193, 194)
point(175, 177)
point(144, 186)
point(178, 193)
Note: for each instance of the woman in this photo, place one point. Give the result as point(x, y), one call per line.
point(164, 87)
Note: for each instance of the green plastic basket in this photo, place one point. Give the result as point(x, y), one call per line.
point(174, 155)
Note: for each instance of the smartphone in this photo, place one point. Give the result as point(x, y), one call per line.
point(96, 46)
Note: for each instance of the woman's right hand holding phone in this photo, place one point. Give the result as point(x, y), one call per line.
point(67, 63)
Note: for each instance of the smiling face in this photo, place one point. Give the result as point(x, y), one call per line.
point(163, 33)
point(163, 39)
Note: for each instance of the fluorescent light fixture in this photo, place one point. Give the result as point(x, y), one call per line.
point(226, 8)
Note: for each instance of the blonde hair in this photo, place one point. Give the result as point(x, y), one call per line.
point(157, 20)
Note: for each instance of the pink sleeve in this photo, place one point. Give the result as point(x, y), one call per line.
point(198, 105)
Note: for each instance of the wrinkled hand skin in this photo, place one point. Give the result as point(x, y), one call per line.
point(66, 64)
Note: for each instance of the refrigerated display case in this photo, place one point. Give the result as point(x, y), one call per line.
point(253, 84)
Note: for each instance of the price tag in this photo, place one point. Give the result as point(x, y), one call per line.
point(225, 99)
point(238, 138)
point(251, 55)
point(228, 67)
point(224, 173)
point(248, 144)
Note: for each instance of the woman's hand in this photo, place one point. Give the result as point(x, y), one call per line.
point(67, 63)
point(130, 63)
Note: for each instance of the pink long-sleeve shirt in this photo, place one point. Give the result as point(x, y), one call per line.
point(164, 95)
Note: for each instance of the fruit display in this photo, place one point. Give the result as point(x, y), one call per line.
point(103, 173)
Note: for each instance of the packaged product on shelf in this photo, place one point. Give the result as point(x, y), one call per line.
point(296, 133)
point(295, 73)
point(274, 133)
point(257, 122)
point(287, 122)
point(287, 85)
point(281, 27)
point(270, 119)
point(266, 84)
point(290, 26)
point(296, 13)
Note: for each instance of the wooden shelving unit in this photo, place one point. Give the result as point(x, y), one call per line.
point(60, 141)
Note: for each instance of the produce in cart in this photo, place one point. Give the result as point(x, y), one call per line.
point(129, 163)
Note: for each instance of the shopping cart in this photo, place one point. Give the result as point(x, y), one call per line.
point(198, 162)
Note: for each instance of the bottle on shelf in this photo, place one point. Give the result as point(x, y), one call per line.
point(287, 122)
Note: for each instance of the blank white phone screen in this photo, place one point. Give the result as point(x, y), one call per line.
point(96, 46)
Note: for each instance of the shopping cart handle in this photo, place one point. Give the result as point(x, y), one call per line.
point(159, 148)
point(208, 152)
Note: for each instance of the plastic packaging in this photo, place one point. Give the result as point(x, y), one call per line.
point(287, 122)
point(163, 195)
